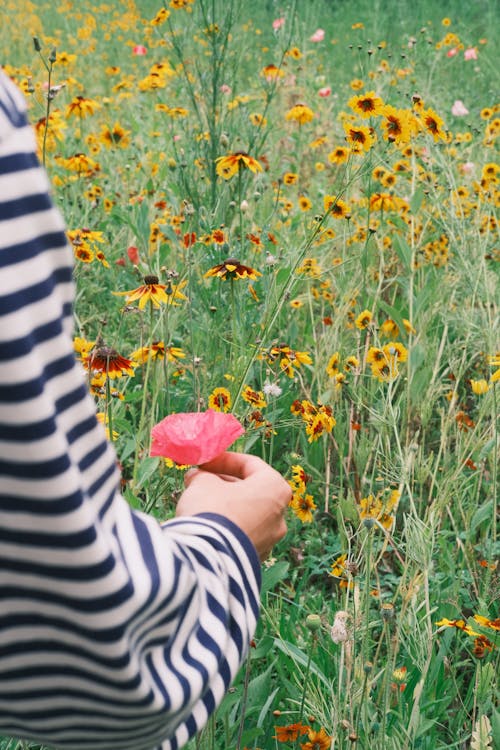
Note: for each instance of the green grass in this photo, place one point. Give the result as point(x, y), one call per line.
point(429, 266)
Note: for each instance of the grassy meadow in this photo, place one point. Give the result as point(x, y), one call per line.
point(288, 211)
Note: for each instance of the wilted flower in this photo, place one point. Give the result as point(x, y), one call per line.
point(339, 632)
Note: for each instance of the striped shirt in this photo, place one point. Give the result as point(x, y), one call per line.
point(116, 631)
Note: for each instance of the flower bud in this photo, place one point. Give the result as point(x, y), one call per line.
point(313, 622)
point(36, 44)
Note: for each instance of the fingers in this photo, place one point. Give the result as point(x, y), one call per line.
point(240, 465)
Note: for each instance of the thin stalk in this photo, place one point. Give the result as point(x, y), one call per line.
point(244, 700)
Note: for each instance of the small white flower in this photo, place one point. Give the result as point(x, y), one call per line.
point(272, 389)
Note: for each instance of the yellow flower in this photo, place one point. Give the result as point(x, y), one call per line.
point(366, 105)
point(432, 124)
point(255, 398)
point(332, 367)
point(360, 137)
point(381, 507)
point(303, 507)
point(157, 350)
point(220, 400)
point(229, 165)
point(154, 292)
point(272, 72)
point(232, 269)
point(339, 155)
point(363, 320)
point(397, 124)
point(115, 136)
point(81, 107)
point(479, 387)
point(336, 207)
point(301, 113)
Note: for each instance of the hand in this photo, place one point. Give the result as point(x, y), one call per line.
point(245, 490)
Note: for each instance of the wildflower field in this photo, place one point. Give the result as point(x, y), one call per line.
point(288, 211)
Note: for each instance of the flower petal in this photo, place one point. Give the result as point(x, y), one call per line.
point(194, 437)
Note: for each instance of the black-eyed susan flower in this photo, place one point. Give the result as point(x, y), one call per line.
point(344, 570)
point(303, 506)
point(317, 740)
point(105, 359)
point(182, 5)
point(255, 398)
point(232, 269)
point(432, 124)
point(332, 367)
point(363, 320)
point(339, 155)
point(321, 422)
point(157, 350)
point(257, 119)
point(160, 17)
point(397, 124)
point(360, 137)
point(289, 359)
point(336, 207)
point(80, 106)
point(389, 328)
point(366, 105)
point(155, 293)
point(382, 202)
point(229, 165)
point(300, 113)
point(115, 136)
point(272, 72)
point(380, 508)
point(220, 400)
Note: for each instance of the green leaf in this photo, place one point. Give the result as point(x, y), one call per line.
point(416, 200)
point(483, 513)
point(273, 575)
point(147, 468)
point(299, 657)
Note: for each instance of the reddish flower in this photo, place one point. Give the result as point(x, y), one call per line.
point(194, 438)
point(139, 49)
point(133, 255)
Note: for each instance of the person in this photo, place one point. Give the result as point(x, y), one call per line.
point(116, 631)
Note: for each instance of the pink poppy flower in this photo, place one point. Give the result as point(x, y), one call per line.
point(139, 49)
point(278, 23)
point(470, 53)
point(325, 91)
point(452, 52)
point(194, 438)
point(225, 89)
point(459, 109)
point(318, 36)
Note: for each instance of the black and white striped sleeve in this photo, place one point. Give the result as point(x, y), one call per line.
point(115, 631)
